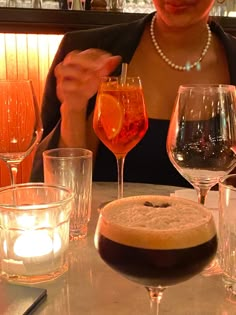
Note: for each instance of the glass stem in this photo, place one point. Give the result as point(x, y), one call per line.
point(201, 194)
point(13, 168)
point(120, 170)
point(155, 296)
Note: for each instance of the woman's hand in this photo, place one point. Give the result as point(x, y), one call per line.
point(79, 74)
point(78, 78)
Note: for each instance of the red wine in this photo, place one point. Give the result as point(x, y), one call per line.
point(156, 240)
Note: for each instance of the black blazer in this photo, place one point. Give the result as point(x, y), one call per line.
point(123, 40)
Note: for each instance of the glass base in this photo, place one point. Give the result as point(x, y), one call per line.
point(230, 284)
point(79, 233)
point(212, 269)
point(35, 278)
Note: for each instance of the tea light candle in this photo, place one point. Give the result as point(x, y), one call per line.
point(34, 252)
point(36, 244)
point(34, 236)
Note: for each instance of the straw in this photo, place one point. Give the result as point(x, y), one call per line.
point(124, 68)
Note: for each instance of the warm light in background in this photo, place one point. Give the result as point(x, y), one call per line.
point(26, 56)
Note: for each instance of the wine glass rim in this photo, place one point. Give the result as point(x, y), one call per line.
point(206, 86)
point(67, 153)
point(68, 196)
point(114, 77)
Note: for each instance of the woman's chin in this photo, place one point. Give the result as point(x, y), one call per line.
point(174, 9)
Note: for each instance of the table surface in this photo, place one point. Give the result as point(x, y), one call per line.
point(91, 287)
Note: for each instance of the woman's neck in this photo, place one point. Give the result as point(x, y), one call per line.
point(190, 37)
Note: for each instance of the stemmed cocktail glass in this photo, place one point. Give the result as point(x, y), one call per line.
point(201, 140)
point(20, 123)
point(156, 241)
point(120, 119)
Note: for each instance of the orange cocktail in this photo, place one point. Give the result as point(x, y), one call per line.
point(120, 119)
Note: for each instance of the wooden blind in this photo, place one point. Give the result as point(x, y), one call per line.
point(26, 56)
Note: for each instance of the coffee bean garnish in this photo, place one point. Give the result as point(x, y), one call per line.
point(162, 205)
point(148, 204)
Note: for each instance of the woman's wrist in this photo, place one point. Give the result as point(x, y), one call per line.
point(73, 127)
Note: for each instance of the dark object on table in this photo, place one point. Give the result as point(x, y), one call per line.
point(20, 299)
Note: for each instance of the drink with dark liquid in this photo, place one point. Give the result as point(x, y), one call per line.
point(156, 240)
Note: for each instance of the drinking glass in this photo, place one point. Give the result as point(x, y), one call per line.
point(20, 123)
point(201, 140)
point(120, 119)
point(227, 231)
point(34, 234)
point(156, 241)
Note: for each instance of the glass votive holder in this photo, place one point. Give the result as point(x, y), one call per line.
point(34, 231)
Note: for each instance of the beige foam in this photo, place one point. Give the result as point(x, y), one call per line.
point(183, 224)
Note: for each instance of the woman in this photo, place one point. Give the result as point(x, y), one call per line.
point(173, 47)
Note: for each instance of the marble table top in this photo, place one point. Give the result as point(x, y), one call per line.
point(91, 288)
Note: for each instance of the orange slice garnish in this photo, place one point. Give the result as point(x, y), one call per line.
point(111, 115)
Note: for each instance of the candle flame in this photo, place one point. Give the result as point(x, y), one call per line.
point(36, 243)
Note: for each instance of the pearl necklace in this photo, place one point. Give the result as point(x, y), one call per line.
point(188, 65)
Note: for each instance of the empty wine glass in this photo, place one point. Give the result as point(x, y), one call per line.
point(20, 123)
point(156, 241)
point(201, 141)
point(120, 119)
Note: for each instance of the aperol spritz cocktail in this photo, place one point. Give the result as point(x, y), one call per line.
point(120, 119)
